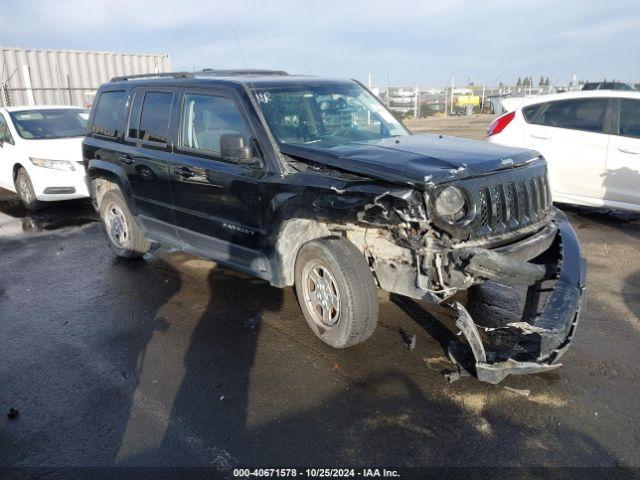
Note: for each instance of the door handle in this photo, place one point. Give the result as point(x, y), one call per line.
point(540, 136)
point(184, 172)
point(632, 151)
point(126, 159)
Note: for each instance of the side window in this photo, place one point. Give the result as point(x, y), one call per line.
point(531, 111)
point(586, 114)
point(5, 134)
point(107, 114)
point(154, 119)
point(205, 118)
point(630, 118)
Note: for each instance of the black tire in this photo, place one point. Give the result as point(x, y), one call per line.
point(24, 189)
point(347, 275)
point(125, 238)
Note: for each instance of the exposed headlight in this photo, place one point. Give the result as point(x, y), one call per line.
point(55, 164)
point(451, 204)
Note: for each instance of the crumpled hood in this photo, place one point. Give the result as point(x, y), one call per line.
point(55, 149)
point(419, 160)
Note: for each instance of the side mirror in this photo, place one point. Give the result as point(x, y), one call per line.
point(234, 147)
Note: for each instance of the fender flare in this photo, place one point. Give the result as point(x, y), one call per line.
point(108, 171)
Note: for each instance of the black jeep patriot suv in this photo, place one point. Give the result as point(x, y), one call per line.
point(312, 182)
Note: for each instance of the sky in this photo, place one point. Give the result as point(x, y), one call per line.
point(421, 43)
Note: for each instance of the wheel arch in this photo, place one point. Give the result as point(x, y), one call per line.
point(290, 237)
point(103, 176)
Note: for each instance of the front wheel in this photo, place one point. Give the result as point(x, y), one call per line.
point(125, 238)
point(336, 292)
point(26, 192)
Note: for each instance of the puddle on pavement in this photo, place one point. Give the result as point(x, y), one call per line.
point(16, 221)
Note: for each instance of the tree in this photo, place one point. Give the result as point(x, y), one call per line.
point(546, 82)
point(541, 82)
point(519, 82)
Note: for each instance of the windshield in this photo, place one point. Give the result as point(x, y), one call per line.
point(50, 123)
point(326, 116)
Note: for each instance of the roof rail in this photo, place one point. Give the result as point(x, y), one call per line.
point(246, 72)
point(141, 76)
point(239, 72)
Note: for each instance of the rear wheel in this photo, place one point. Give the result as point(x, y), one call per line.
point(336, 292)
point(125, 238)
point(25, 191)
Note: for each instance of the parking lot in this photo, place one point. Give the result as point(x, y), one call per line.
point(175, 361)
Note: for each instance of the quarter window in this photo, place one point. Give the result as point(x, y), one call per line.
point(205, 118)
point(581, 114)
point(5, 134)
point(531, 111)
point(154, 119)
point(630, 118)
point(107, 114)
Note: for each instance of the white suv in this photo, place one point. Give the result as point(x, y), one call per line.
point(591, 141)
point(41, 153)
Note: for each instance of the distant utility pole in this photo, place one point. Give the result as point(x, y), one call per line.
point(416, 103)
point(451, 95)
point(387, 88)
point(446, 102)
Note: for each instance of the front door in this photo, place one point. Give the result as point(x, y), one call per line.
point(622, 176)
point(217, 199)
point(571, 135)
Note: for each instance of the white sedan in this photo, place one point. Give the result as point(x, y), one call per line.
point(41, 153)
point(591, 141)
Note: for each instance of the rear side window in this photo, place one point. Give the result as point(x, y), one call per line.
point(154, 119)
point(531, 111)
point(586, 114)
point(107, 114)
point(630, 118)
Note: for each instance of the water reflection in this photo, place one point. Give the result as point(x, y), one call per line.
point(16, 221)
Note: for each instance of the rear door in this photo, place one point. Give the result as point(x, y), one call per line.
point(7, 154)
point(622, 176)
point(572, 136)
point(217, 200)
point(145, 158)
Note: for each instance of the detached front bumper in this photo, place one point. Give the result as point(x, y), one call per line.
point(546, 331)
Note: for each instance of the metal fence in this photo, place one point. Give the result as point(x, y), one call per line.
point(66, 77)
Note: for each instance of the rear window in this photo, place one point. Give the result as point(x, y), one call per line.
point(586, 114)
point(630, 118)
point(107, 114)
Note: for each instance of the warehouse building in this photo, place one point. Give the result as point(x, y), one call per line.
point(66, 77)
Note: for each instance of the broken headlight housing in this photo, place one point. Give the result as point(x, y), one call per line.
point(452, 204)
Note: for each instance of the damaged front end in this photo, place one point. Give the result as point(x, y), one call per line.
point(554, 298)
point(510, 234)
